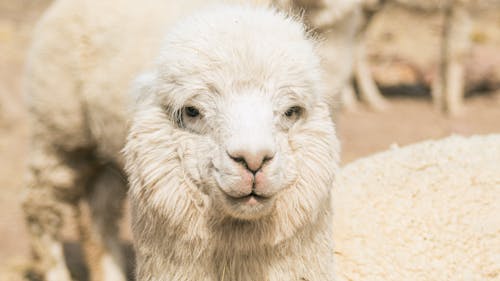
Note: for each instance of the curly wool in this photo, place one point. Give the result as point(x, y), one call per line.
point(427, 211)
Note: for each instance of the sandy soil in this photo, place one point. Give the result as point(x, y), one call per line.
point(409, 118)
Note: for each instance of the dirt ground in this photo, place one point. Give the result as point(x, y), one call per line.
point(410, 118)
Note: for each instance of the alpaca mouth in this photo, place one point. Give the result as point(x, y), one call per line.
point(250, 199)
point(253, 194)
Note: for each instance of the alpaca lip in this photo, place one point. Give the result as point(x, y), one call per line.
point(252, 197)
point(253, 194)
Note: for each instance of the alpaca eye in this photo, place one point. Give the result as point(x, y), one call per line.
point(191, 111)
point(294, 111)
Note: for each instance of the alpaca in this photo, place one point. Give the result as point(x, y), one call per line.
point(232, 153)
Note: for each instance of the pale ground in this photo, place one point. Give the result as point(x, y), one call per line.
point(409, 118)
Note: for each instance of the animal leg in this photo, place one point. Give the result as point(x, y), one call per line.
point(54, 183)
point(368, 90)
point(102, 211)
point(458, 45)
point(437, 88)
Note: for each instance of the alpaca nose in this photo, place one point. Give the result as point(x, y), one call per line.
point(252, 160)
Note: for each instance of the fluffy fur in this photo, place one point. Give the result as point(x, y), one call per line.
point(189, 219)
point(427, 211)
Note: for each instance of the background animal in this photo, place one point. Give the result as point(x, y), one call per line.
point(448, 84)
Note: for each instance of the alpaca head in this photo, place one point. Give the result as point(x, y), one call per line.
point(233, 113)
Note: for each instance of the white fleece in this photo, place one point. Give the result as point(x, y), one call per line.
point(429, 211)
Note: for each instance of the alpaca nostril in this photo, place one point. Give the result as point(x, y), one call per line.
point(238, 159)
point(267, 159)
point(253, 162)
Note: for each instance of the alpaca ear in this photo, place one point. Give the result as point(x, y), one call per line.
point(142, 90)
point(144, 94)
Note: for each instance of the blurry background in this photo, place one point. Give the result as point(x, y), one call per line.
point(402, 46)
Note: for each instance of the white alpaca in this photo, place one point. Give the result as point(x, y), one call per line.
point(83, 58)
point(232, 154)
point(428, 211)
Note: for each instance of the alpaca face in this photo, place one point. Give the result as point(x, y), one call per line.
point(245, 159)
point(237, 119)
